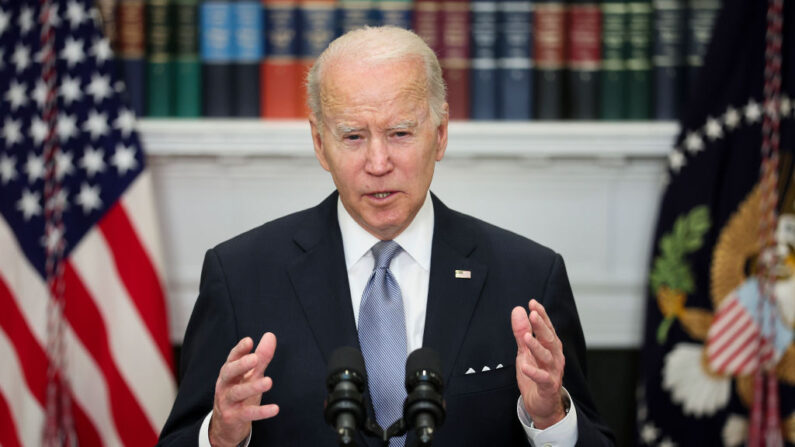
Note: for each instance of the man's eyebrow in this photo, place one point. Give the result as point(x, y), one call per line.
point(407, 124)
point(344, 128)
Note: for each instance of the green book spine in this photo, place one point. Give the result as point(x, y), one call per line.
point(639, 73)
point(159, 67)
point(614, 53)
point(187, 65)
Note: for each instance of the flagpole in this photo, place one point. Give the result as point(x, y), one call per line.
point(59, 427)
point(765, 419)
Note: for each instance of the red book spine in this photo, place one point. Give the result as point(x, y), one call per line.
point(280, 72)
point(455, 54)
point(584, 34)
point(426, 23)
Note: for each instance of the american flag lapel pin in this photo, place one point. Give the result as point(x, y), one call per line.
point(466, 274)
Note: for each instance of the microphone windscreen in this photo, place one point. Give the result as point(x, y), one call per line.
point(423, 358)
point(344, 358)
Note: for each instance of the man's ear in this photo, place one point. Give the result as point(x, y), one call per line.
point(317, 141)
point(441, 133)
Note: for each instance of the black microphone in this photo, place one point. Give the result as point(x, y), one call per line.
point(344, 406)
point(424, 408)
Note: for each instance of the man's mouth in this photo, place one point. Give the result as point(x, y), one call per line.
point(382, 195)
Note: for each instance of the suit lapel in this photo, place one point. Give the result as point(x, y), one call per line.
point(320, 280)
point(451, 299)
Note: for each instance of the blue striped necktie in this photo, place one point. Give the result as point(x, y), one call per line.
point(382, 337)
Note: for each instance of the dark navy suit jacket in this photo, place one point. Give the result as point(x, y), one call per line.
point(289, 277)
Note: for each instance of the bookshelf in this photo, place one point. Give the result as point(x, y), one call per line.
point(468, 139)
point(588, 190)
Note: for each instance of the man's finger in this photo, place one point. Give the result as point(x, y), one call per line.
point(536, 306)
point(242, 348)
point(543, 331)
point(233, 371)
point(258, 412)
point(266, 348)
point(243, 391)
point(543, 357)
point(520, 326)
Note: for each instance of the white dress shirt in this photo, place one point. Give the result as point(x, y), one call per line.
point(412, 269)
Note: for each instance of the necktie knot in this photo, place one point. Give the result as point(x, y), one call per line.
point(383, 252)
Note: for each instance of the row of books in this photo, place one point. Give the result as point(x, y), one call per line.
point(502, 60)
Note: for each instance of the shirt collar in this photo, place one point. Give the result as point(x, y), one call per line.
point(415, 239)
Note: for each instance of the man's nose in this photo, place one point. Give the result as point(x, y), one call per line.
point(379, 161)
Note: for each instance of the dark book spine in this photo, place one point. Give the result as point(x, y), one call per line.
point(483, 84)
point(317, 21)
point(427, 23)
point(612, 78)
point(549, 43)
point(394, 13)
point(132, 51)
point(159, 66)
point(701, 16)
point(638, 99)
point(248, 45)
point(455, 56)
point(280, 73)
point(355, 14)
point(668, 57)
point(584, 31)
point(187, 66)
point(515, 60)
point(217, 53)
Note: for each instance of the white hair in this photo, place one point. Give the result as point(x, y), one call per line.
point(380, 44)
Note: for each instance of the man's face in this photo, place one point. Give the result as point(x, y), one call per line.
point(378, 140)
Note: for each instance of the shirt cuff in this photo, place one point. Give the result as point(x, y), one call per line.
point(562, 434)
point(204, 433)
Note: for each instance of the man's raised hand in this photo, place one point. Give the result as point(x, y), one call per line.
point(539, 364)
point(238, 391)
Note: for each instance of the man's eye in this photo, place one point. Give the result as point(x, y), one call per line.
point(401, 134)
point(353, 137)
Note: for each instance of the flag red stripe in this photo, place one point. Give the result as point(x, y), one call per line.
point(131, 423)
point(726, 326)
point(34, 363)
point(719, 346)
point(138, 275)
point(8, 430)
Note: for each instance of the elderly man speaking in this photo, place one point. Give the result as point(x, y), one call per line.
point(383, 265)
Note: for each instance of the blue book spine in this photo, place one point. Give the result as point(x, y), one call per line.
point(484, 60)
point(248, 45)
point(515, 60)
point(394, 13)
point(217, 48)
point(355, 14)
point(668, 57)
point(318, 28)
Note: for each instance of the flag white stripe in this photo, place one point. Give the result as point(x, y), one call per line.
point(730, 335)
point(90, 389)
point(30, 292)
point(724, 317)
point(740, 356)
point(736, 342)
point(138, 203)
point(28, 414)
point(133, 349)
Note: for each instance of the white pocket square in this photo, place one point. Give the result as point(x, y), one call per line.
point(485, 368)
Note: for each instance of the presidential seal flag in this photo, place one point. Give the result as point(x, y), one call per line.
point(718, 361)
point(84, 351)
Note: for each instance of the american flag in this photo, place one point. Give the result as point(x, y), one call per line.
point(74, 191)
